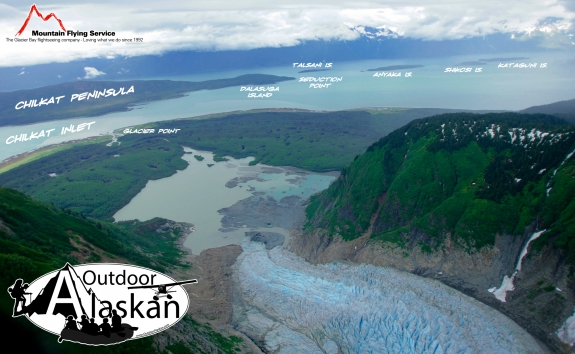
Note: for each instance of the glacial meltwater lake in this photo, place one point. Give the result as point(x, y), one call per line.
point(199, 193)
point(293, 306)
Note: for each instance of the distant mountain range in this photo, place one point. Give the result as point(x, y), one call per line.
point(563, 109)
point(368, 46)
point(151, 90)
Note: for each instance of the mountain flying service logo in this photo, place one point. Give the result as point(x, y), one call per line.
point(34, 9)
point(95, 304)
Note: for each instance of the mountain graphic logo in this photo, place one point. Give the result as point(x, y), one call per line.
point(34, 9)
point(66, 288)
point(101, 304)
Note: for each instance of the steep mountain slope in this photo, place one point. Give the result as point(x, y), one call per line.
point(99, 178)
point(36, 238)
point(457, 197)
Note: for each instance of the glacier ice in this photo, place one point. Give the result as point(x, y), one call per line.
point(293, 306)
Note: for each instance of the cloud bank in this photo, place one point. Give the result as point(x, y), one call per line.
point(232, 25)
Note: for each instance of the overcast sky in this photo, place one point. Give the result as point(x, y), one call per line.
point(232, 24)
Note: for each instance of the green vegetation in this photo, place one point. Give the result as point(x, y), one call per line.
point(35, 156)
point(199, 158)
point(449, 176)
point(46, 235)
point(49, 150)
point(203, 339)
point(156, 238)
point(226, 344)
point(558, 214)
point(37, 238)
point(549, 288)
point(98, 180)
point(533, 293)
point(312, 141)
point(453, 184)
point(95, 179)
point(144, 91)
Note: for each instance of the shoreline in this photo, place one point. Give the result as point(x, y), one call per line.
point(31, 155)
point(162, 90)
point(34, 154)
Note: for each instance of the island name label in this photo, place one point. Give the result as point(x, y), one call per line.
point(311, 65)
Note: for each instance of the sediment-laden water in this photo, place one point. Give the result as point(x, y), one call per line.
point(226, 199)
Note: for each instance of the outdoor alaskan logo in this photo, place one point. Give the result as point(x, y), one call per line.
point(101, 304)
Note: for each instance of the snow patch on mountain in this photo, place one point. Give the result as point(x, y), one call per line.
point(293, 306)
point(507, 282)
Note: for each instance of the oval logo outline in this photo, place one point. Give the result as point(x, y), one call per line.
point(88, 288)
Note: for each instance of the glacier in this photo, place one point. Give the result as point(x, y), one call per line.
point(288, 305)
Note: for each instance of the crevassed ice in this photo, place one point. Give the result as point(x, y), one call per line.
point(361, 308)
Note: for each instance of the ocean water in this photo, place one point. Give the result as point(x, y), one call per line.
point(429, 87)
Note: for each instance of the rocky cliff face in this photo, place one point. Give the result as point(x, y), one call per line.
point(534, 306)
point(461, 198)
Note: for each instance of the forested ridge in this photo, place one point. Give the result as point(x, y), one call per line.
point(465, 176)
point(99, 178)
point(37, 238)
